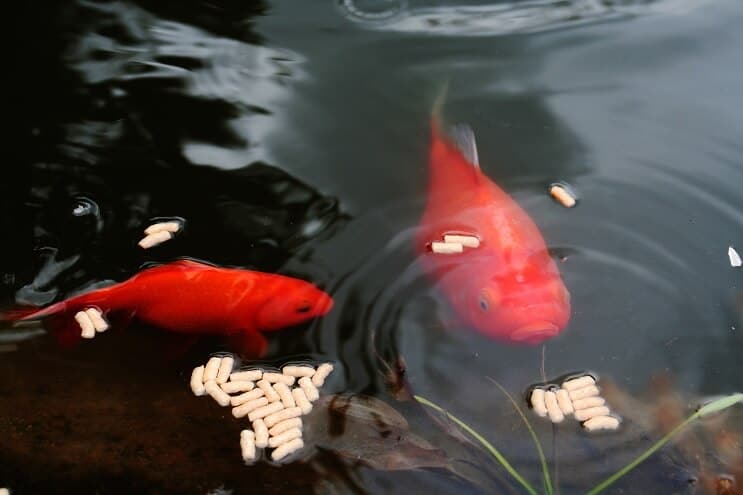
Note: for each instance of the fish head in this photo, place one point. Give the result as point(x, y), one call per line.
point(525, 306)
point(295, 302)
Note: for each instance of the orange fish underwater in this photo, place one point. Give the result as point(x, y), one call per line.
point(508, 287)
point(195, 298)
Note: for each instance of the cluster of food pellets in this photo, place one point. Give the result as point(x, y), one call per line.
point(90, 321)
point(455, 243)
point(579, 397)
point(158, 233)
point(274, 402)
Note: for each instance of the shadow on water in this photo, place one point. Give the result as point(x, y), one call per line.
point(309, 159)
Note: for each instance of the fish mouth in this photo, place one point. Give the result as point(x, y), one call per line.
point(534, 333)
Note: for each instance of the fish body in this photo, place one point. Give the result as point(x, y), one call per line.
point(196, 298)
point(508, 287)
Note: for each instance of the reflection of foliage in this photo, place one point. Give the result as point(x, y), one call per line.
point(705, 411)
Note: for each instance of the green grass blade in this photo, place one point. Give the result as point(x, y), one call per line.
point(537, 444)
point(488, 446)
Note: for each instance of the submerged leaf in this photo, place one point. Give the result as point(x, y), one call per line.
point(368, 430)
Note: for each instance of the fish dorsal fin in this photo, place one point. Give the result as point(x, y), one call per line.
point(463, 138)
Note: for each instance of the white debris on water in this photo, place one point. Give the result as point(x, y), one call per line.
point(735, 260)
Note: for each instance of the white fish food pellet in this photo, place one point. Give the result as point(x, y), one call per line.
point(553, 409)
point(268, 391)
point(594, 401)
point(212, 368)
point(563, 195)
point(278, 417)
point(238, 400)
point(285, 393)
point(323, 371)
point(298, 371)
point(563, 400)
point(225, 368)
point(284, 437)
point(266, 410)
point(261, 433)
point(246, 375)
point(302, 402)
point(580, 382)
point(279, 378)
point(287, 424)
point(96, 318)
point(219, 395)
point(309, 389)
point(591, 412)
point(584, 392)
point(86, 326)
point(734, 257)
point(446, 247)
point(247, 445)
point(537, 402)
point(163, 226)
point(155, 238)
point(235, 387)
point(469, 241)
point(246, 408)
point(286, 449)
point(601, 423)
point(197, 381)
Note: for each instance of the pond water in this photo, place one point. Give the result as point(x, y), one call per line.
point(292, 137)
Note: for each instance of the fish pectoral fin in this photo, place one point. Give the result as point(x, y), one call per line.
point(249, 344)
point(464, 138)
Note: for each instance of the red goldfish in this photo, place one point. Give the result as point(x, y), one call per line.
point(196, 298)
point(508, 287)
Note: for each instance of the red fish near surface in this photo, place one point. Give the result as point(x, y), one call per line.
point(508, 287)
point(196, 298)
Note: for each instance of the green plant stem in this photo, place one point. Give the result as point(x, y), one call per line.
point(488, 446)
point(542, 458)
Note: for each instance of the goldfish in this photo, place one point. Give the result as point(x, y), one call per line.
point(195, 298)
point(508, 287)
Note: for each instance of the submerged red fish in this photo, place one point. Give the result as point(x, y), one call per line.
point(508, 287)
point(196, 298)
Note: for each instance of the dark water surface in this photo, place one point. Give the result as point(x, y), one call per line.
point(292, 137)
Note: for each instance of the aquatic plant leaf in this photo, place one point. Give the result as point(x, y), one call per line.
point(368, 430)
point(720, 404)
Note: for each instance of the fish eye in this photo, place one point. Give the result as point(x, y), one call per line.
point(488, 297)
point(484, 303)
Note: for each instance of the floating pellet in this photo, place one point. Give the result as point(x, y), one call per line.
point(248, 407)
point(278, 417)
point(234, 387)
point(261, 433)
point(318, 379)
point(302, 401)
point(537, 402)
point(584, 392)
point(285, 437)
point(735, 260)
point(446, 247)
point(279, 378)
point(563, 400)
point(594, 401)
point(266, 410)
point(576, 383)
point(166, 226)
point(591, 412)
point(247, 397)
point(86, 326)
point(563, 195)
point(212, 368)
point(95, 317)
point(247, 376)
point(287, 424)
point(286, 395)
point(553, 409)
point(225, 368)
point(309, 389)
point(247, 445)
point(217, 393)
point(197, 381)
point(268, 390)
point(286, 449)
point(469, 241)
point(601, 423)
point(155, 239)
point(4, 491)
point(298, 371)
